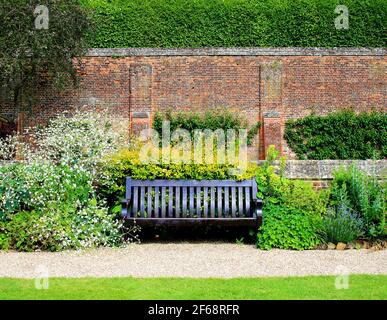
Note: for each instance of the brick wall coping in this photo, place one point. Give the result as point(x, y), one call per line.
point(124, 52)
point(319, 169)
point(323, 169)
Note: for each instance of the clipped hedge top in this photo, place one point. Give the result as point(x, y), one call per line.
point(235, 23)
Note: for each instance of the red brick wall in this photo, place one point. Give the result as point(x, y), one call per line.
point(273, 87)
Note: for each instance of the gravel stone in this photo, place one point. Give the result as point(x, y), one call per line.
point(196, 260)
point(341, 246)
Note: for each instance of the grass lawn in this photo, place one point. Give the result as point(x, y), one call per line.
point(314, 287)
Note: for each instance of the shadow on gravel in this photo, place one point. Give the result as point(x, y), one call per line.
point(239, 235)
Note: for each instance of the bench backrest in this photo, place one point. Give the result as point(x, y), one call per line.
point(190, 198)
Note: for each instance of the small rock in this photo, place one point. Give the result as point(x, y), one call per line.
point(341, 246)
point(321, 246)
point(366, 245)
point(331, 246)
point(351, 245)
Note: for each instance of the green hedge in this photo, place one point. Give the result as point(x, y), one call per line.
point(219, 118)
point(340, 136)
point(235, 23)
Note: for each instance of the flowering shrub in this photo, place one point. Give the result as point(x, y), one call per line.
point(8, 147)
point(28, 186)
point(82, 139)
point(49, 200)
point(63, 228)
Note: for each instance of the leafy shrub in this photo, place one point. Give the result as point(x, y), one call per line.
point(274, 188)
point(363, 194)
point(288, 228)
point(291, 209)
point(190, 121)
point(341, 135)
point(61, 228)
point(235, 23)
point(301, 195)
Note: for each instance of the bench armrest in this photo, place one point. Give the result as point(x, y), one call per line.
point(257, 210)
point(125, 207)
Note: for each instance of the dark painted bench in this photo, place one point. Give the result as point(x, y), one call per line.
point(226, 202)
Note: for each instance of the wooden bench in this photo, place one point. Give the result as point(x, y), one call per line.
point(158, 202)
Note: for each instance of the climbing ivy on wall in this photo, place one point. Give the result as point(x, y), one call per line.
point(341, 135)
point(220, 118)
point(236, 23)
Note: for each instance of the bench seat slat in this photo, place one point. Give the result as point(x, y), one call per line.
point(198, 202)
point(156, 208)
point(233, 202)
point(191, 202)
point(142, 201)
point(170, 201)
point(226, 202)
point(253, 222)
point(184, 203)
point(163, 201)
point(212, 199)
point(205, 202)
point(149, 202)
point(219, 197)
point(177, 202)
point(135, 202)
point(247, 202)
point(240, 201)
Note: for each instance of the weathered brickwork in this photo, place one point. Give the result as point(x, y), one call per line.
point(271, 86)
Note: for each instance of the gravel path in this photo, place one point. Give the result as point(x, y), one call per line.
point(191, 260)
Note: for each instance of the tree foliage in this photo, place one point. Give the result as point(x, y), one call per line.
point(32, 56)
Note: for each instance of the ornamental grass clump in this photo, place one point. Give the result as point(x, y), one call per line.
point(363, 194)
point(341, 225)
